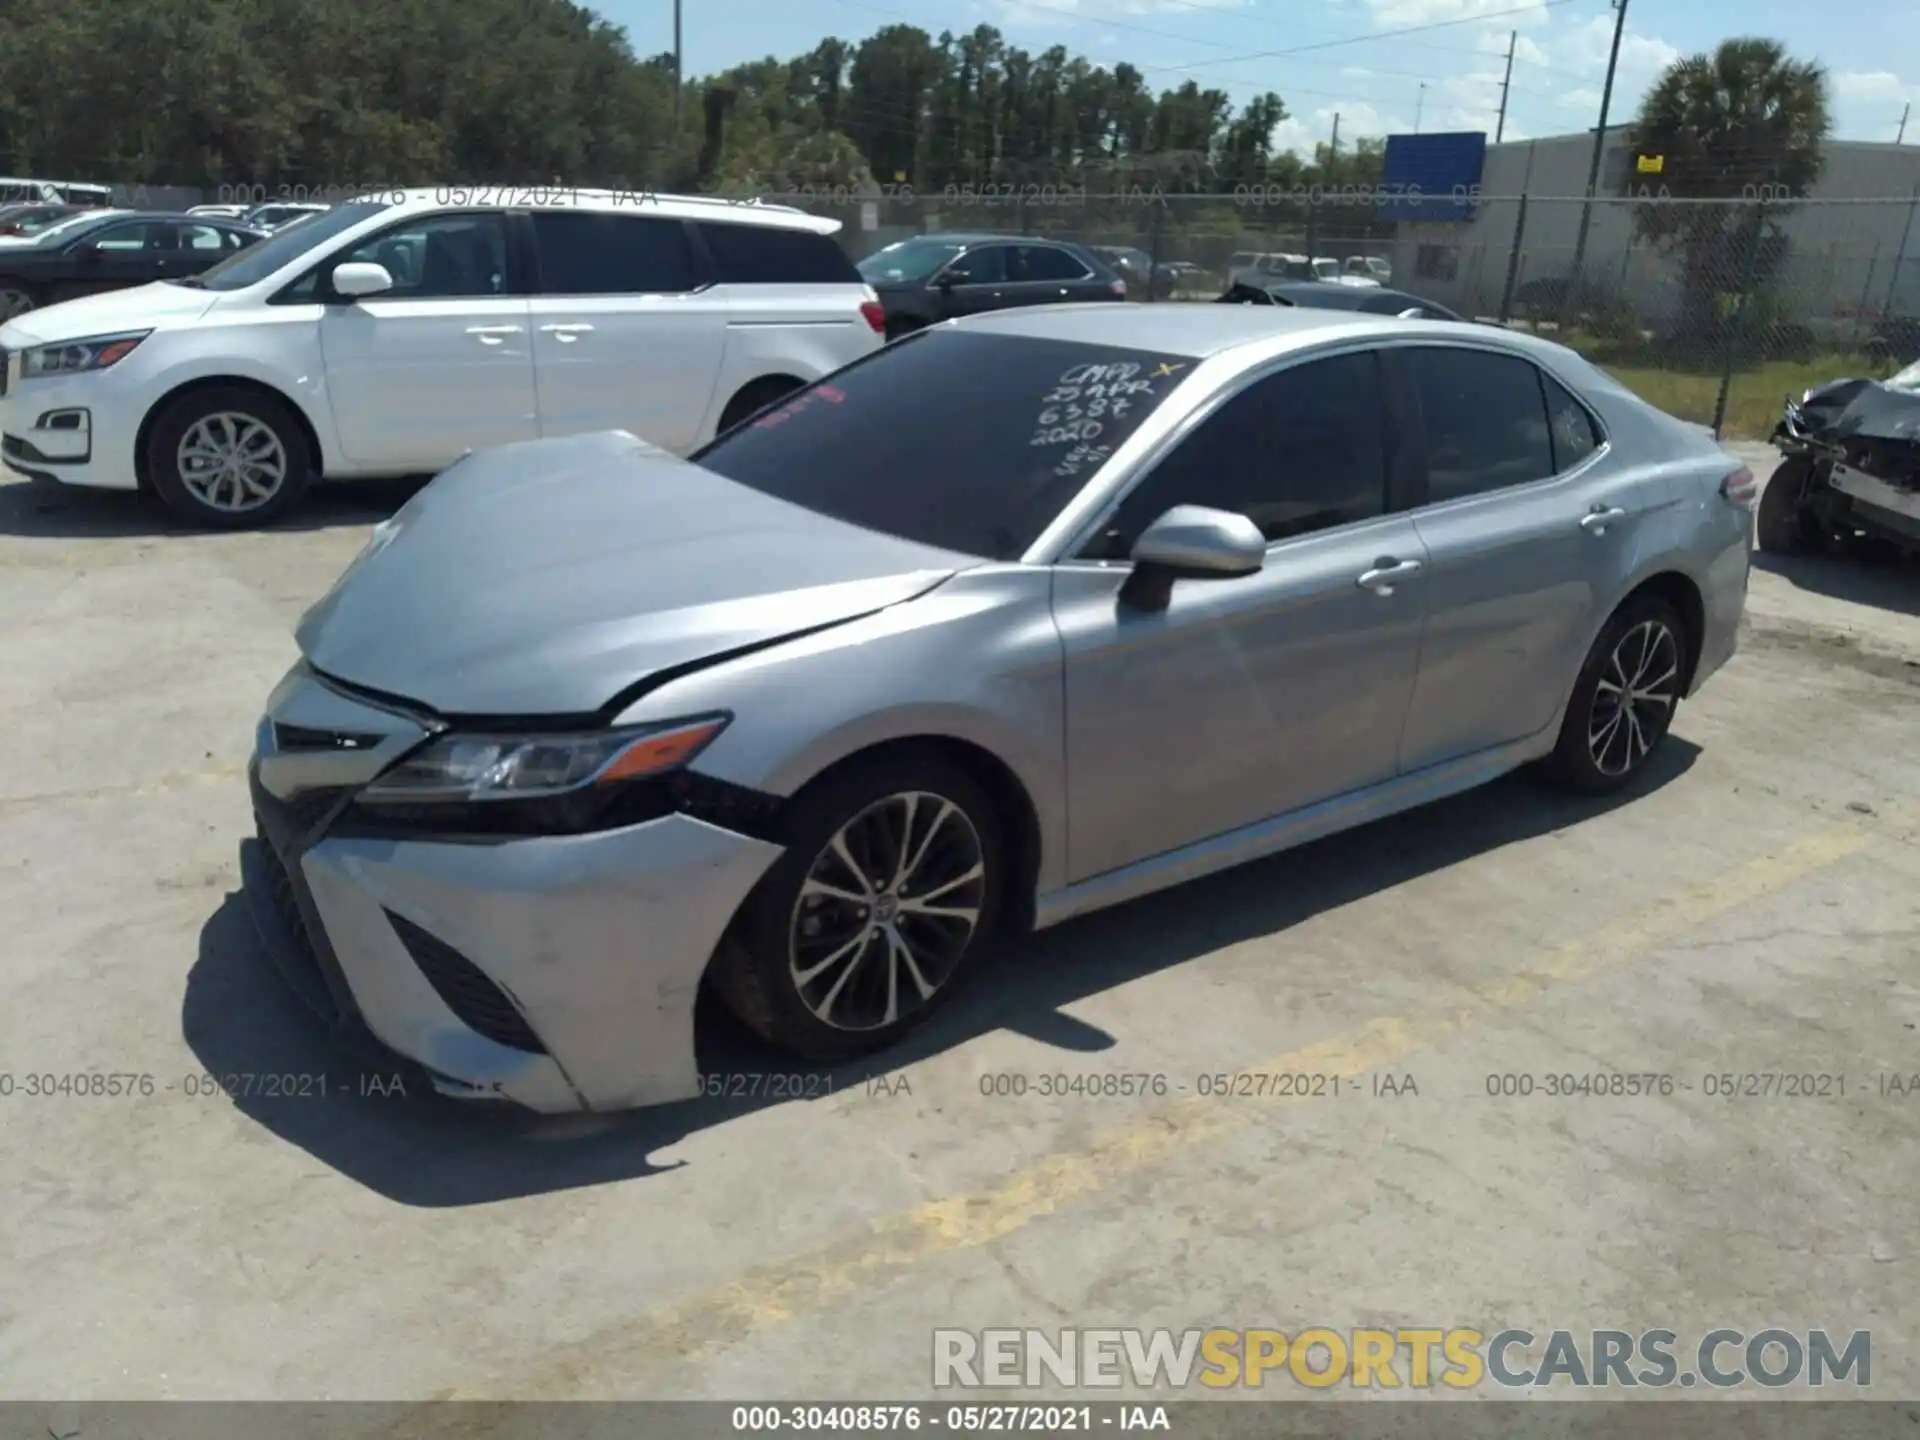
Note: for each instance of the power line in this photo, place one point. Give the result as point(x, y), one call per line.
point(1356, 39)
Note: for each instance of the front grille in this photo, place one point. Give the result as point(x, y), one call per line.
point(481, 1005)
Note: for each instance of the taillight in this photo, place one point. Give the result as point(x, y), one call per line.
point(872, 312)
point(1739, 488)
point(1119, 289)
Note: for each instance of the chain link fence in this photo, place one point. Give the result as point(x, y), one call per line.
point(1712, 310)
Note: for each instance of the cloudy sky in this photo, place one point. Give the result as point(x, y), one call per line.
point(1381, 65)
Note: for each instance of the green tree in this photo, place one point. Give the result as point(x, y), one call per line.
point(1745, 122)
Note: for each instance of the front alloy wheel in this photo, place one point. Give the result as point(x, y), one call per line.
point(890, 883)
point(228, 457)
point(15, 299)
point(231, 463)
point(888, 908)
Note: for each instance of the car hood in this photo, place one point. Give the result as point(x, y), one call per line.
point(552, 576)
point(136, 309)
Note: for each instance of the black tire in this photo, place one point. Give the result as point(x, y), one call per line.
point(1596, 753)
point(781, 931)
point(16, 298)
point(177, 490)
point(754, 397)
point(1782, 525)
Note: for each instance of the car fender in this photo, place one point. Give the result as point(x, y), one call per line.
point(977, 660)
point(282, 358)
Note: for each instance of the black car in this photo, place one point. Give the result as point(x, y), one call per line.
point(931, 278)
point(25, 220)
point(1331, 295)
point(112, 250)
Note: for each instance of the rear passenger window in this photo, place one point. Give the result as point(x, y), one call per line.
point(760, 255)
point(584, 252)
point(1575, 436)
point(1043, 262)
point(1486, 421)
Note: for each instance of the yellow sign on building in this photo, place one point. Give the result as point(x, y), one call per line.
point(1651, 164)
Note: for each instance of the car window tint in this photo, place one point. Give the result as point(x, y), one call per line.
point(1300, 451)
point(762, 255)
point(120, 239)
point(202, 237)
point(1486, 421)
point(1044, 262)
point(588, 253)
point(984, 265)
point(967, 440)
point(444, 257)
point(1574, 434)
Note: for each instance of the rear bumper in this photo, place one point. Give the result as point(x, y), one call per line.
point(1724, 602)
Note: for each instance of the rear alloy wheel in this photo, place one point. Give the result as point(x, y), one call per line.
point(858, 933)
point(228, 458)
point(754, 398)
point(1624, 701)
point(15, 299)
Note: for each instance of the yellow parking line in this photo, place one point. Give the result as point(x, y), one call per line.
point(770, 1294)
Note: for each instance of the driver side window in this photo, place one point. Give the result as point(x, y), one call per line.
point(441, 257)
point(1297, 452)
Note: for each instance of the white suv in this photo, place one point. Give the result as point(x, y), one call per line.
point(394, 333)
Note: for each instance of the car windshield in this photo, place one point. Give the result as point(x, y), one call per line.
point(284, 247)
point(907, 260)
point(963, 440)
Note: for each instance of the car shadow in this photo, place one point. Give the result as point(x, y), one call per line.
point(41, 509)
point(1883, 579)
point(386, 1130)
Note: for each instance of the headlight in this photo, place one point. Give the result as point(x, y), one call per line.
point(495, 768)
point(75, 357)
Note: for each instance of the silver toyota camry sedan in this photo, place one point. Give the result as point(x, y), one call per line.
point(1019, 617)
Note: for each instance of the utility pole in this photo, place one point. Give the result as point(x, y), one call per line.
point(1419, 106)
point(1500, 129)
point(679, 67)
point(1333, 147)
point(1599, 144)
point(1905, 110)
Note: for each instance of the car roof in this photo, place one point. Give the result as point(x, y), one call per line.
point(625, 202)
point(1195, 330)
point(1203, 331)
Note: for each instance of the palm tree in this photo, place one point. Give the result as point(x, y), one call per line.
point(1745, 122)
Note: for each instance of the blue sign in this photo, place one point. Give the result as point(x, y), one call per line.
point(1432, 177)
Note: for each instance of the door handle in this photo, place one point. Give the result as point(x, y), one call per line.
point(566, 334)
point(492, 334)
point(1386, 573)
point(1596, 520)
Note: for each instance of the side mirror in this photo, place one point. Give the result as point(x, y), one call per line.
point(87, 253)
point(952, 276)
point(1192, 542)
point(358, 278)
point(1416, 313)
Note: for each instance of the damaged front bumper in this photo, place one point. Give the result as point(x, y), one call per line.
point(559, 973)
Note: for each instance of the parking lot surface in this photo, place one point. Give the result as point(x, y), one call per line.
point(1753, 909)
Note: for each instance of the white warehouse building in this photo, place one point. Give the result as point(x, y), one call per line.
point(1854, 242)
